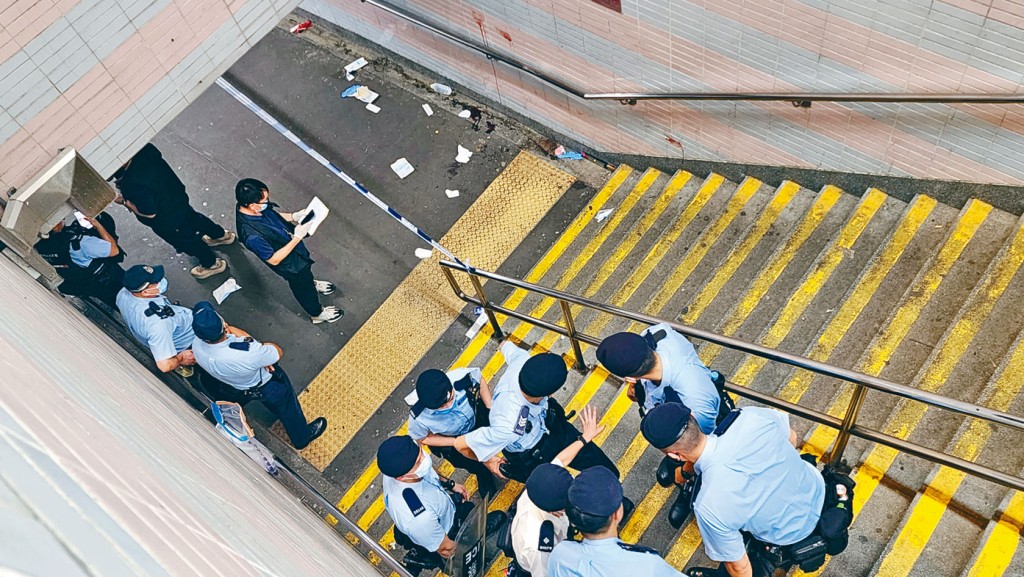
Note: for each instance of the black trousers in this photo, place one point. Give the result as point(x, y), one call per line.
point(484, 477)
point(304, 289)
point(560, 435)
point(185, 234)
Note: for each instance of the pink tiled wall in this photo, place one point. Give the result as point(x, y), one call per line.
point(974, 46)
point(105, 75)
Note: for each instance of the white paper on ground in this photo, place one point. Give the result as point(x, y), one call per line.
point(373, 108)
point(428, 109)
point(451, 193)
point(603, 214)
point(402, 167)
point(464, 114)
point(320, 212)
point(424, 253)
point(354, 65)
point(477, 325)
point(229, 286)
point(366, 95)
point(464, 155)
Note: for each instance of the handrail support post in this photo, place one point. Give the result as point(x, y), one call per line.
point(570, 326)
point(479, 288)
point(835, 457)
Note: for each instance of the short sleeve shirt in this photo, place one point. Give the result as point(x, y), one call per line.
point(165, 337)
point(516, 424)
point(607, 558)
point(236, 361)
point(683, 371)
point(458, 419)
point(429, 527)
point(752, 479)
point(89, 248)
point(526, 534)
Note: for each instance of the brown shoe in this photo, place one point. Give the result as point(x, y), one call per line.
point(228, 238)
point(218, 267)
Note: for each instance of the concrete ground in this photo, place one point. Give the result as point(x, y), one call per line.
point(298, 79)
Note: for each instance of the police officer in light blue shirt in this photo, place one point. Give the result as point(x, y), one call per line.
point(596, 508)
point(526, 424)
point(661, 365)
point(426, 508)
point(234, 358)
point(446, 405)
point(752, 481)
point(163, 327)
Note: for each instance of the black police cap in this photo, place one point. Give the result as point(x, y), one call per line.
point(664, 424)
point(206, 323)
point(596, 491)
point(622, 353)
point(542, 375)
point(433, 388)
point(397, 456)
point(140, 276)
point(548, 487)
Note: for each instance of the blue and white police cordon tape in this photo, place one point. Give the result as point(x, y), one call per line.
point(248, 103)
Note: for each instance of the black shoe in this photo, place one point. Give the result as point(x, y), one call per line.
point(316, 428)
point(667, 471)
point(417, 560)
point(495, 521)
point(680, 510)
point(627, 509)
point(705, 572)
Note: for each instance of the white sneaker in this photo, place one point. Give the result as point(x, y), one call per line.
point(328, 315)
point(218, 267)
point(325, 287)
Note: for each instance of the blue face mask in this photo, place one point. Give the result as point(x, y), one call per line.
point(161, 286)
point(263, 206)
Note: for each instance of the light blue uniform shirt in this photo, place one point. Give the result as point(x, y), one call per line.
point(753, 480)
point(456, 420)
point(606, 558)
point(89, 248)
point(683, 371)
point(242, 369)
point(506, 432)
point(164, 337)
point(429, 528)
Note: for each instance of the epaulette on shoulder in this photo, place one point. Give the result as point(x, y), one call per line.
point(240, 346)
point(638, 548)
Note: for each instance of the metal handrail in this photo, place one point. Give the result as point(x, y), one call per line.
point(847, 425)
point(801, 99)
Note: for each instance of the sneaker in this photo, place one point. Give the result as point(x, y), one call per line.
point(325, 287)
point(228, 238)
point(218, 267)
point(328, 315)
point(185, 371)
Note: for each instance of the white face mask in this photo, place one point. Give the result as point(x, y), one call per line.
point(426, 465)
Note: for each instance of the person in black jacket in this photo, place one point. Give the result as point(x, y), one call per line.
point(156, 196)
point(274, 237)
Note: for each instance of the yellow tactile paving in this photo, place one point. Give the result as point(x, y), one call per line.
point(374, 362)
point(928, 510)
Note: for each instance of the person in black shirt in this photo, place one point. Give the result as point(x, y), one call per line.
point(156, 196)
point(276, 238)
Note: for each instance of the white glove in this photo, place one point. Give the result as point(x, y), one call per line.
point(301, 231)
point(298, 215)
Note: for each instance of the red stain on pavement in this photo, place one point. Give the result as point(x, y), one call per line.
point(506, 35)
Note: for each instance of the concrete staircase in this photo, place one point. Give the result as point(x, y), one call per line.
point(916, 293)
